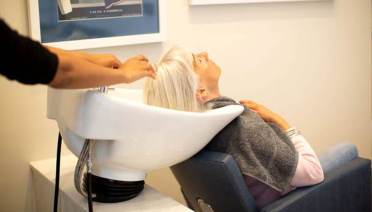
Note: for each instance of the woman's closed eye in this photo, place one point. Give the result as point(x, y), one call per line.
point(201, 57)
point(203, 61)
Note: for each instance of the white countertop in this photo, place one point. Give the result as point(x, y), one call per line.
point(43, 176)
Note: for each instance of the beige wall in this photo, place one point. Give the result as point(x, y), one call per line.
point(309, 61)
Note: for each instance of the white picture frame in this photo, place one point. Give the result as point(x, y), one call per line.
point(216, 2)
point(35, 30)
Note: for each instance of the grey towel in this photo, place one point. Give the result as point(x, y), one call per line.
point(261, 149)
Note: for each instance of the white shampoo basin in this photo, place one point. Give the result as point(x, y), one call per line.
point(131, 137)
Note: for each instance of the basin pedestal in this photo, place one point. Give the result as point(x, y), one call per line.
point(43, 176)
point(111, 191)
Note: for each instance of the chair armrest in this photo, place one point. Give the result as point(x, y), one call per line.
point(345, 189)
point(338, 155)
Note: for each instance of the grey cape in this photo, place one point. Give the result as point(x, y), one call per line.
point(262, 150)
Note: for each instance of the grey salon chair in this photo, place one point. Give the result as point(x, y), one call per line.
point(211, 181)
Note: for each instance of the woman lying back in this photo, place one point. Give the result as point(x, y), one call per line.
point(273, 157)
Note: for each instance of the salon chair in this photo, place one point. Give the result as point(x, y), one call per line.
point(211, 181)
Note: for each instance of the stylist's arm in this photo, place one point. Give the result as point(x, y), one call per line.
point(79, 72)
point(29, 62)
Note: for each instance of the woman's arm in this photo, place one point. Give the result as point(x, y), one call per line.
point(308, 170)
point(266, 114)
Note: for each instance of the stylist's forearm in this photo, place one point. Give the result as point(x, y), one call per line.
point(79, 73)
point(107, 60)
point(59, 51)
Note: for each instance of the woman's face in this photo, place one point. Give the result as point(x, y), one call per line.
point(207, 71)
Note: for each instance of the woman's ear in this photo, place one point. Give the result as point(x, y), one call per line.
point(201, 95)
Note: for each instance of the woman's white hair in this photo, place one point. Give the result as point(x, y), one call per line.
point(175, 84)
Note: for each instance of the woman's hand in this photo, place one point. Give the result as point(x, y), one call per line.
point(136, 68)
point(266, 114)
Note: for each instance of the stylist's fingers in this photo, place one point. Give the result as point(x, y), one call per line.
point(140, 57)
point(146, 73)
point(145, 64)
point(148, 69)
point(115, 64)
point(151, 73)
point(136, 68)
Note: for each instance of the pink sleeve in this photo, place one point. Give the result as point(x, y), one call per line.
point(309, 170)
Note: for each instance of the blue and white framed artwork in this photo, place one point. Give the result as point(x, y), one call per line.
point(211, 2)
point(83, 24)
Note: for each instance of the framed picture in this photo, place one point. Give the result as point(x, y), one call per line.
point(208, 2)
point(83, 24)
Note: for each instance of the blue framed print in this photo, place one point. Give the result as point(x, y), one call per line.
point(210, 2)
point(82, 24)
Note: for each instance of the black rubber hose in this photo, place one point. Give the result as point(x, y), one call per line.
point(90, 202)
point(58, 162)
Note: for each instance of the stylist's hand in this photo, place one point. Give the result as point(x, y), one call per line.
point(136, 68)
point(266, 114)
